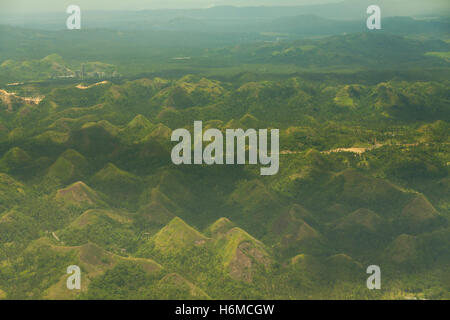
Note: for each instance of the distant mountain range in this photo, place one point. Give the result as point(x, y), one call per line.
point(350, 13)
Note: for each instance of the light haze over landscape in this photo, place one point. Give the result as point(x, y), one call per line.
point(398, 7)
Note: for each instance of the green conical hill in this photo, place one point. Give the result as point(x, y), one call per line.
point(78, 194)
point(177, 235)
point(70, 166)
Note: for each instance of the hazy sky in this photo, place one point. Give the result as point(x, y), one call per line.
point(23, 6)
point(55, 5)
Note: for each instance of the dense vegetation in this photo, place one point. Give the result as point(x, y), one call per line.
point(86, 176)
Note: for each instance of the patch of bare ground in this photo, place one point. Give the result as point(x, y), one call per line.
point(245, 259)
point(80, 86)
point(8, 98)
